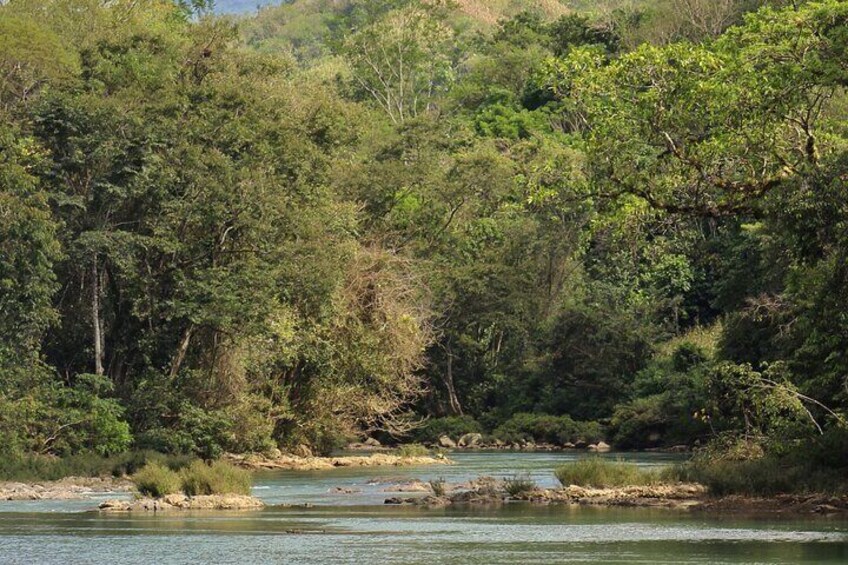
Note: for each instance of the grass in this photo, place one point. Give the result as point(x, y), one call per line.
point(603, 473)
point(765, 476)
point(31, 468)
point(519, 485)
point(413, 450)
point(157, 480)
point(199, 478)
point(218, 478)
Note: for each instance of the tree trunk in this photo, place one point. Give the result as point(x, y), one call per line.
point(453, 399)
point(95, 318)
point(179, 357)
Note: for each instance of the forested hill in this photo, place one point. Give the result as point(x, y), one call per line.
point(306, 225)
point(240, 6)
point(489, 11)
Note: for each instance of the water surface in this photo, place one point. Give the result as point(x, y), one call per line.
point(357, 528)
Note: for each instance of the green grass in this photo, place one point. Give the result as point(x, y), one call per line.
point(157, 480)
point(766, 476)
point(603, 473)
point(218, 478)
point(412, 450)
point(519, 485)
point(31, 468)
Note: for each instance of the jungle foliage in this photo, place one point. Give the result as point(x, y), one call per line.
point(309, 224)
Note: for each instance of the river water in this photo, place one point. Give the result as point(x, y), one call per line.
point(326, 527)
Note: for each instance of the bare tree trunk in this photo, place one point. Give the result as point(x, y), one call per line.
point(453, 399)
point(179, 357)
point(95, 318)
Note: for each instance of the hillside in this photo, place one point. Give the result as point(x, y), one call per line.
point(485, 11)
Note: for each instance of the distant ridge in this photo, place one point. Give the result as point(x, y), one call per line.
point(485, 11)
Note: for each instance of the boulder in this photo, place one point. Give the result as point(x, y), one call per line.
point(445, 441)
point(603, 446)
point(470, 440)
point(581, 444)
point(371, 442)
point(568, 445)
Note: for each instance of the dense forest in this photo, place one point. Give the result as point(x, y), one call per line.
point(333, 218)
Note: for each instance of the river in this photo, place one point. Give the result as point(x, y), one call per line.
point(333, 528)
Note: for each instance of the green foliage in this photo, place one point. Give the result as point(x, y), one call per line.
point(157, 480)
point(340, 217)
point(765, 476)
point(517, 486)
point(544, 428)
point(412, 450)
point(18, 467)
point(603, 473)
point(219, 477)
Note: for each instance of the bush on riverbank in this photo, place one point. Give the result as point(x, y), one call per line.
point(218, 478)
point(602, 473)
point(544, 428)
point(451, 426)
point(412, 450)
point(49, 468)
point(519, 485)
point(199, 478)
point(156, 480)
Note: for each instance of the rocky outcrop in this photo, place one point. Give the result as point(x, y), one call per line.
point(489, 491)
point(294, 463)
point(69, 488)
point(446, 442)
point(410, 486)
point(181, 502)
point(470, 440)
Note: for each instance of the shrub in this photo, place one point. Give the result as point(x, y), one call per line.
point(438, 486)
point(156, 480)
point(519, 485)
point(33, 467)
point(548, 429)
point(451, 426)
point(412, 450)
point(602, 473)
point(732, 472)
point(218, 478)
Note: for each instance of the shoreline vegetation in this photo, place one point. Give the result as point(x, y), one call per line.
point(226, 485)
point(599, 482)
point(598, 230)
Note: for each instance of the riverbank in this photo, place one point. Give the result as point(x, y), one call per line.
point(288, 462)
point(69, 488)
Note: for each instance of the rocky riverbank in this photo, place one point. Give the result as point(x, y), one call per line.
point(69, 488)
point(310, 463)
point(181, 502)
point(487, 491)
